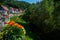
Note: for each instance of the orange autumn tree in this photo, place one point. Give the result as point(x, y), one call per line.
point(13, 31)
point(12, 23)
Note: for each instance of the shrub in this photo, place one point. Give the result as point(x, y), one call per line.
point(13, 31)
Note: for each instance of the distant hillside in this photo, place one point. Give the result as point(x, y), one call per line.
point(17, 4)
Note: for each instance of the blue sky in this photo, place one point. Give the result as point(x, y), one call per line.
point(31, 1)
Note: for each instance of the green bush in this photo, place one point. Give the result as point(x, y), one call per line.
point(17, 19)
point(12, 33)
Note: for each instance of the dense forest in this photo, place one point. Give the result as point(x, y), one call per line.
point(43, 17)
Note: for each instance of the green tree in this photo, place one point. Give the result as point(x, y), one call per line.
point(57, 13)
point(41, 16)
point(1, 1)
